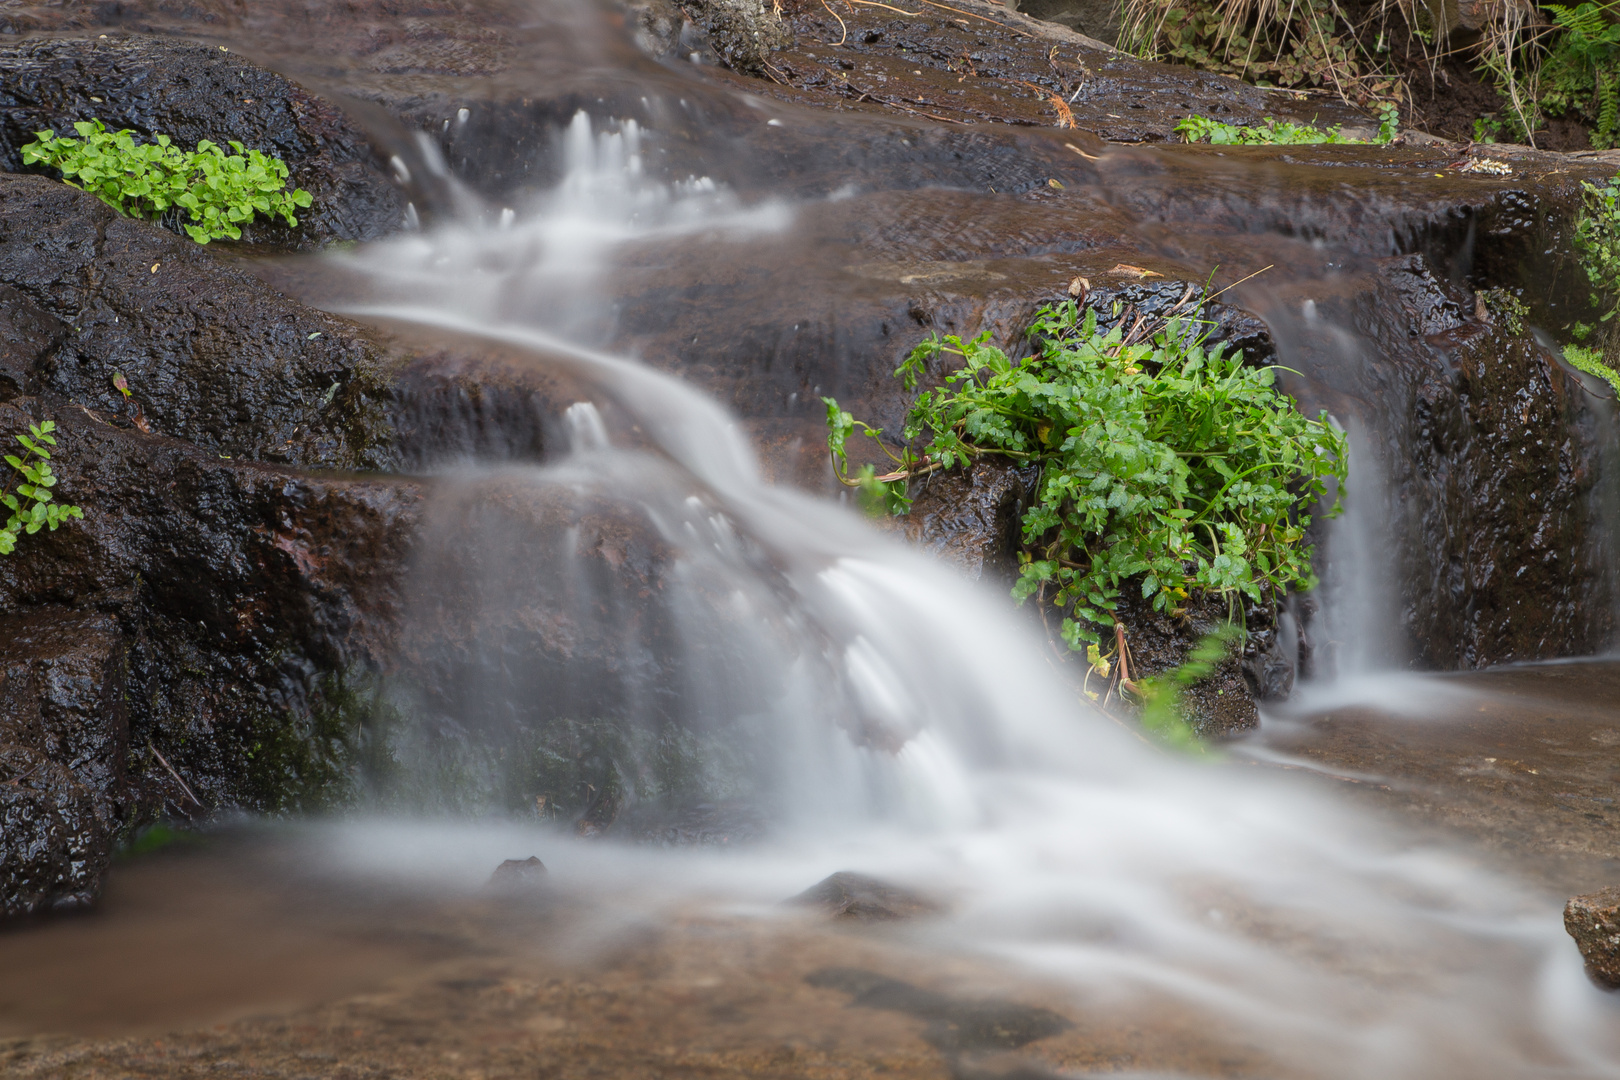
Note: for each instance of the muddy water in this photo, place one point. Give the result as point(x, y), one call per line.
point(377, 949)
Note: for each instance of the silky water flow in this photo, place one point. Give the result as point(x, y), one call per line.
point(890, 717)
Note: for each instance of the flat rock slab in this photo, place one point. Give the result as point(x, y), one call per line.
point(1519, 761)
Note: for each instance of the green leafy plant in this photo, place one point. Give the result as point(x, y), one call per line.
point(28, 492)
point(1163, 459)
point(1506, 308)
point(215, 191)
point(1597, 242)
point(1278, 133)
point(1580, 74)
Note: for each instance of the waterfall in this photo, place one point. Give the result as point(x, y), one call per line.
point(899, 721)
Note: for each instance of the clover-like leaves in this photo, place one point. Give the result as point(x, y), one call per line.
point(216, 192)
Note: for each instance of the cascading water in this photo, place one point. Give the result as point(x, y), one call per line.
point(892, 718)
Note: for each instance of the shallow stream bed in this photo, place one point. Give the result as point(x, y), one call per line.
point(361, 950)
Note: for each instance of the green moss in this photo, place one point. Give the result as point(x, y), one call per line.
point(159, 836)
point(309, 760)
point(1591, 362)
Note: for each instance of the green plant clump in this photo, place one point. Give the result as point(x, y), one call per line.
point(1162, 458)
point(219, 192)
point(1597, 242)
point(1580, 74)
point(1278, 133)
point(27, 494)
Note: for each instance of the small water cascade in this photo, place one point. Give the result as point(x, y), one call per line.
point(887, 716)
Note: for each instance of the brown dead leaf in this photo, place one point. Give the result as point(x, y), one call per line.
point(1134, 271)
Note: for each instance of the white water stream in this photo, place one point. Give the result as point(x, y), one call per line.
point(1067, 847)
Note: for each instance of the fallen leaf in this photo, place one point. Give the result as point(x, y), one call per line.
point(1079, 287)
point(1134, 271)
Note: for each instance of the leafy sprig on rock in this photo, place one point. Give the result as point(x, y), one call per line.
point(1163, 459)
point(216, 191)
point(31, 502)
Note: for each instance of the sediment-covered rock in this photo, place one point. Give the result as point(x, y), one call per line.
point(1593, 921)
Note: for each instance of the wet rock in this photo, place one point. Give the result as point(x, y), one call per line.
point(519, 875)
point(211, 354)
point(28, 334)
point(239, 588)
point(1000, 65)
point(64, 738)
point(973, 517)
point(954, 1024)
point(62, 692)
point(1222, 703)
point(848, 895)
point(1593, 921)
point(190, 92)
point(54, 844)
point(1486, 456)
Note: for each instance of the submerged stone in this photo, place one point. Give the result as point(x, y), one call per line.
point(848, 895)
point(518, 875)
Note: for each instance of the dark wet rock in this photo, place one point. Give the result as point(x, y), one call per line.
point(192, 91)
point(64, 739)
point(954, 1024)
point(471, 401)
point(211, 354)
point(848, 895)
point(55, 844)
point(519, 875)
point(241, 589)
point(28, 333)
point(62, 692)
point(1490, 449)
point(1594, 922)
point(1221, 704)
point(973, 517)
